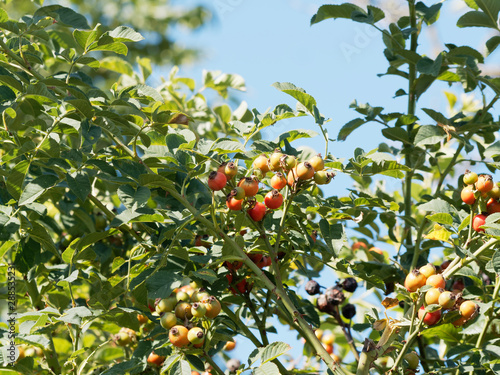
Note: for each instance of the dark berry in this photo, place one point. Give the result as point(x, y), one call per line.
point(324, 306)
point(334, 295)
point(350, 284)
point(312, 287)
point(349, 311)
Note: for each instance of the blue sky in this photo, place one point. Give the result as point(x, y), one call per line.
point(335, 61)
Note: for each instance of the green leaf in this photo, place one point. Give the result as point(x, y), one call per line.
point(81, 244)
point(125, 34)
point(429, 66)
point(81, 37)
point(476, 19)
point(181, 367)
point(470, 273)
point(116, 47)
point(445, 332)
point(6, 94)
point(436, 116)
point(117, 64)
point(429, 135)
point(492, 44)
point(298, 93)
point(12, 82)
point(430, 14)
point(348, 128)
point(333, 235)
point(295, 134)
point(40, 93)
point(438, 206)
point(6, 246)
point(395, 134)
point(493, 265)
point(162, 283)
point(133, 199)
point(89, 61)
point(490, 7)
point(441, 218)
point(153, 180)
point(40, 235)
point(206, 274)
point(4, 17)
point(225, 146)
point(64, 16)
point(267, 368)
point(274, 350)
point(36, 188)
point(492, 150)
point(79, 185)
point(16, 178)
point(334, 11)
point(372, 16)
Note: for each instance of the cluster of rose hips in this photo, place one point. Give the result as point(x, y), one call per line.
point(442, 299)
point(179, 314)
point(483, 191)
point(329, 301)
point(287, 170)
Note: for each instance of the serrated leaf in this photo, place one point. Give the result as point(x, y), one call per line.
point(169, 362)
point(274, 350)
point(40, 235)
point(4, 17)
point(16, 178)
point(64, 16)
point(348, 128)
point(267, 368)
point(334, 11)
point(438, 206)
point(125, 34)
point(476, 19)
point(441, 218)
point(79, 185)
point(81, 244)
point(36, 188)
point(298, 93)
point(445, 332)
point(132, 198)
point(333, 234)
point(492, 44)
point(162, 283)
point(494, 263)
point(225, 146)
point(116, 47)
point(439, 233)
point(206, 274)
point(396, 134)
point(295, 134)
point(429, 66)
point(181, 367)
